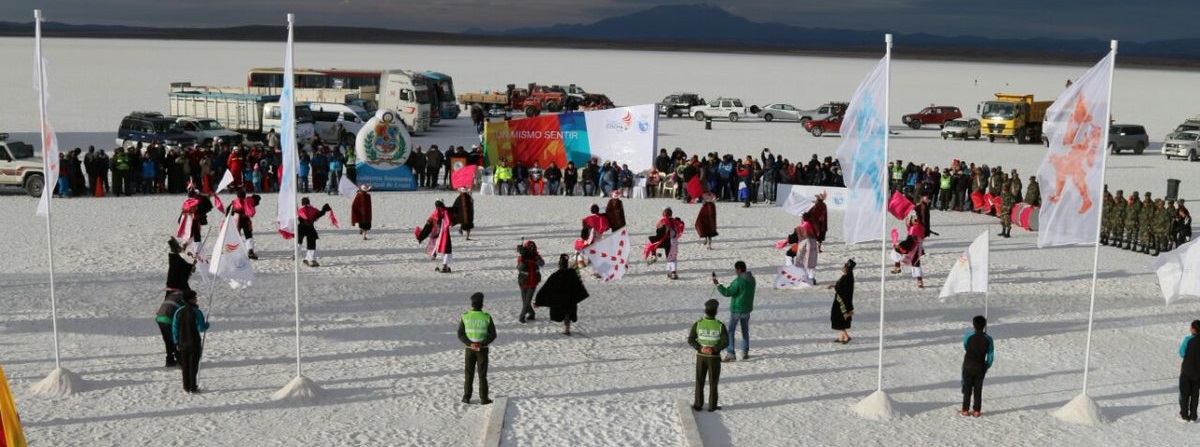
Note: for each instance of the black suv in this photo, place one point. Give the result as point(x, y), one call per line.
point(679, 104)
point(151, 127)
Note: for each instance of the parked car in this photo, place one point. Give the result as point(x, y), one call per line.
point(778, 111)
point(962, 128)
point(151, 127)
point(327, 115)
point(939, 115)
point(1182, 144)
point(823, 111)
point(731, 108)
point(820, 127)
point(1127, 137)
point(19, 167)
point(679, 104)
point(208, 130)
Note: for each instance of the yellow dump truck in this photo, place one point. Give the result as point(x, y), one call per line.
point(1015, 117)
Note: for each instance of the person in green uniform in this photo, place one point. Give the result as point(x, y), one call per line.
point(1116, 232)
point(477, 331)
point(1146, 224)
point(1133, 212)
point(1106, 217)
point(1007, 200)
point(945, 183)
point(1172, 226)
point(1162, 226)
point(708, 337)
point(1033, 193)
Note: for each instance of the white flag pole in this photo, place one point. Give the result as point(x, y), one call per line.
point(987, 293)
point(41, 79)
point(295, 215)
point(883, 230)
point(1087, 354)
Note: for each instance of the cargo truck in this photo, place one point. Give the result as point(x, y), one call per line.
point(253, 115)
point(1013, 116)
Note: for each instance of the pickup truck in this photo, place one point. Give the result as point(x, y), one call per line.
point(19, 168)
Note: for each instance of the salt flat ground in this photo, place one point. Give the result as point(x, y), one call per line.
point(378, 323)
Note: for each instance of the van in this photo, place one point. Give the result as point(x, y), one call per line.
point(327, 115)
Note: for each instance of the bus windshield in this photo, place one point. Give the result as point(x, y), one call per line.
point(423, 96)
point(304, 114)
point(992, 109)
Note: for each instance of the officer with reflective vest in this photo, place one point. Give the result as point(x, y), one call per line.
point(476, 331)
point(708, 337)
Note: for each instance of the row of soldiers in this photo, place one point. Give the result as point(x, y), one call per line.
point(1144, 225)
point(1008, 187)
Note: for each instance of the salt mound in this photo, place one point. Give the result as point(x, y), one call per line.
point(300, 389)
point(878, 407)
point(60, 382)
point(1081, 410)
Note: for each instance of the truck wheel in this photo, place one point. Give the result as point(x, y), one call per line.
point(1112, 149)
point(34, 184)
point(1192, 155)
point(1141, 147)
point(733, 117)
point(755, 109)
point(946, 137)
point(531, 111)
point(991, 138)
point(699, 116)
point(550, 106)
point(1019, 137)
point(817, 131)
point(768, 117)
point(915, 124)
point(978, 135)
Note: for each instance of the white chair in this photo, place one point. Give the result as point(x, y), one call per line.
point(639, 189)
point(486, 187)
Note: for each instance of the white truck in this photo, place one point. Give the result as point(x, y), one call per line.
point(19, 167)
point(386, 89)
point(250, 114)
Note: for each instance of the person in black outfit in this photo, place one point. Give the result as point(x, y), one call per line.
point(178, 272)
point(476, 330)
point(1189, 374)
point(842, 313)
point(188, 324)
point(979, 355)
point(708, 337)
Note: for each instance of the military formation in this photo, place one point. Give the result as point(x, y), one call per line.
point(1144, 224)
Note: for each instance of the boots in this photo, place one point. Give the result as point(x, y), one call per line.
point(920, 283)
point(896, 268)
point(250, 254)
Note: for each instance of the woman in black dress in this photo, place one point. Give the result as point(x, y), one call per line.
point(562, 293)
point(842, 313)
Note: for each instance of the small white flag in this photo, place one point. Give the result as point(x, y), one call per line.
point(229, 258)
point(610, 256)
point(792, 277)
point(347, 188)
point(226, 180)
point(1179, 271)
point(796, 203)
point(970, 272)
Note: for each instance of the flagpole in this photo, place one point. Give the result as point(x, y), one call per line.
point(41, 79)
point(883, 230)
point(1087, 353)
point(294, 213)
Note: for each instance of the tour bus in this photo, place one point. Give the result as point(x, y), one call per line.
point(390, 89)
point(443, 94)
point(430, 84)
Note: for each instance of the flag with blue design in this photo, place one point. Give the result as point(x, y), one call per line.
point(286, 219)
point(863, 156)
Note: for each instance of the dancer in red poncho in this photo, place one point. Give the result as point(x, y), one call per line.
point(437, 230)
point(594, 226)
point(360, 210)
point(909, 250)
point(306, 231)
point(243, 207)
point(706, 220)
point(666, 237)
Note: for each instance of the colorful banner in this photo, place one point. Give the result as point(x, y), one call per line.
point(626, 135)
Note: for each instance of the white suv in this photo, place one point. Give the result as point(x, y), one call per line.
point(1182, 144)
point(731, 108)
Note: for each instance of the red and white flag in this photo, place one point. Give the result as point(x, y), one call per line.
point(49, 139)
point(792, 277)
point(229, 258)
point(1072, 173)
point(286, 218)
point(610, 256)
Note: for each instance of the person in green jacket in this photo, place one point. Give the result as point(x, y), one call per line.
point(741, 290)
point(708, 336)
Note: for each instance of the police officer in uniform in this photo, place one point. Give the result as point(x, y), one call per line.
point(476, 330)
point(708, 337)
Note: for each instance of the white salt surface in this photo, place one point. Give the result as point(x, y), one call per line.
point(379, 323)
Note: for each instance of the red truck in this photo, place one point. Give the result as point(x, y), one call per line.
point(532, 100)
point(831, 124)
point(939, 115)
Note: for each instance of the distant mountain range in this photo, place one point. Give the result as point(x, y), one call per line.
point(682, 28)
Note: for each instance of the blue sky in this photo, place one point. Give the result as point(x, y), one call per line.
point(1099, 19)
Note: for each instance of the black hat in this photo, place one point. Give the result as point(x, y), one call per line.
point(477, 300)
point(850, 263)
point(710, 308)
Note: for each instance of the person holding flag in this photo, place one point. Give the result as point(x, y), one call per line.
point(666, 237)
point(462, 211)
point(243, 207)
point(193, 216)
point(437, 230)
point(306, 231)
point(909, 250)
point(593, 228)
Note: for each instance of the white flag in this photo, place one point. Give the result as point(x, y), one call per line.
point(347, 188)
point(863, 157)
point(49, 139)
point(1179, 271)
point(229, 258)
point(796, 203)
point(226, 180)
point(286, 218)
point(1072, 172)
point(970, 273)
point(792, 277)
point(610, 256)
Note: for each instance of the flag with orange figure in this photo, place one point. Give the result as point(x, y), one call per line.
point(1072, 174)
point(11, 434)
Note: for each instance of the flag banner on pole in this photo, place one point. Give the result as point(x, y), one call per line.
point(347, 188)
point(900, 206)
point(610, 256)
point(286, 218)
point(464, 177)
point(797, 203)
point(1077, 128)
point(11, 433)
point(792, 277)
point(1179, 271)
point(861, 154)
point(229, 258)
point(970, 272)
point(49, 138)
point(226, 180)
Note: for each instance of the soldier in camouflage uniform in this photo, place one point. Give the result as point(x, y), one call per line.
point(1146, 224)
point(1164, 217)
point(1007, 200)
point(1106, 217)
point(1132, 212)
point(1116, 229)
point(1015, 179)
point(1033, 194)
point(1172, 227)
